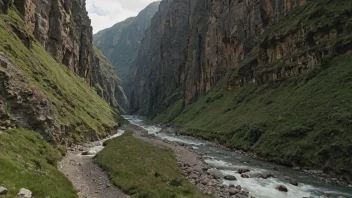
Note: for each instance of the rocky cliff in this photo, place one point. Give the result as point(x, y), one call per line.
point(268, 76)
point(121, 42)
point(63, 29)
point(198, 42)
point(37, 92)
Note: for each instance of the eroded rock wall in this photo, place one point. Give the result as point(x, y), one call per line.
point(64, 29)
point(191, 45)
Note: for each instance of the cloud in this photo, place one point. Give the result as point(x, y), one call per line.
point(105, 13)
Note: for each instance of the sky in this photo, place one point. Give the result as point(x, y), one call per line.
point(105, 13)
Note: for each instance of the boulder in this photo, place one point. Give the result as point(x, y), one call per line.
point(85, 153)
point(239, 187)
point(244, 175)
point(3, 190)
point(241, 196)
point(233, 191)
point(24, 193)
point(243, 170)
point(293, 182)
point(265, 176)
point(230, 177)
point(282, 188)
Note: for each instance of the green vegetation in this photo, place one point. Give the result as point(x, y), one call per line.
point(171, 113)
point(27, 161)
point(75, 103)
point(304, 120)
point(143, 170)
point(106, 66)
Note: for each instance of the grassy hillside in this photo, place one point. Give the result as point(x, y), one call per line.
point(143, 170)
point(27, 161)
point(76, 104)
point(305, 120)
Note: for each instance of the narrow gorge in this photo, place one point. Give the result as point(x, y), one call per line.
point(270, 77)
point(183, 98)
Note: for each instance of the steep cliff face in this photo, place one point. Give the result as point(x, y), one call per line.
point(121, 42)
point(107, 84)
point(268, 76)
point(202, 40)
point(39, 93)
point(150, 52)
point(63, 29)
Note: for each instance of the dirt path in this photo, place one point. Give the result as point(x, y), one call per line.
point(88, 178)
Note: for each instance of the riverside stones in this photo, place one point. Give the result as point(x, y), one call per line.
point(233, 191)
point(3, 190)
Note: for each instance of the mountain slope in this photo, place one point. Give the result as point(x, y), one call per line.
point(41, 101)
point(63, 29)
point(121, 42)
point(38, 93)
point(269, 76)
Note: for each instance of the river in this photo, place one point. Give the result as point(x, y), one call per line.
point(224, 162)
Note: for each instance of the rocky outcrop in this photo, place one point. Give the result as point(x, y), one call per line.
point(22, 106)
point(64, 30)
point(107, 84)
point(150, 52)
point(121, 42)
point(192, 45)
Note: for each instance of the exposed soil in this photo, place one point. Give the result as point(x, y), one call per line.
point(88, 178)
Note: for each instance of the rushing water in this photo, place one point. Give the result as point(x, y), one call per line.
point(224, 162)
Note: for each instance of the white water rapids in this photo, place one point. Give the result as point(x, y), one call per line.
point(225, 162)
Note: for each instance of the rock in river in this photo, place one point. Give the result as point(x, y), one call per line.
point(282, 188)
point(293, 182)
point(265, 176)
point(243, 170)
point(230, 177)
point(244, 175)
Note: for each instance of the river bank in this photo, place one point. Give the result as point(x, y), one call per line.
point(264, 177)
point(213, 169)
point(316, 173)
point(192, 165)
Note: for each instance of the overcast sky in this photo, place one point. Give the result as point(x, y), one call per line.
point(105, 13)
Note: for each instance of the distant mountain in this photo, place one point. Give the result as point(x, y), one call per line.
point(121, 42)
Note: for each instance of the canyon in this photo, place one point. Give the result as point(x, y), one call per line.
point(266, 76)
point(229, 81)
